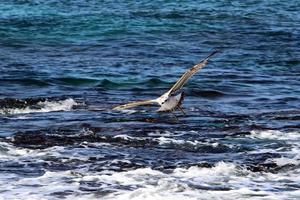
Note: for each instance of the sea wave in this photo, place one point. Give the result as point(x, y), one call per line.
point(290, 154)
point(76, 81)
point(41, 106)
point(223, 180)
point(123, 178)
point(275, 135)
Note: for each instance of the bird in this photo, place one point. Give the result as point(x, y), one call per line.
point(170, 101)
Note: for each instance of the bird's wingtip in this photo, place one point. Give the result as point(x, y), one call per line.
point(117, 108)
point(214, 51)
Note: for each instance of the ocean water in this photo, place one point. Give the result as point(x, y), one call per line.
point(65, 64)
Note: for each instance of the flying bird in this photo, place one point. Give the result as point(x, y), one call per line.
point(170, 101)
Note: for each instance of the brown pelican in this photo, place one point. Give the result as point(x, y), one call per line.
point(169, 102)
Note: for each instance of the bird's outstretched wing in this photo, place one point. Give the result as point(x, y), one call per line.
point(182, 80)
point(134, 104)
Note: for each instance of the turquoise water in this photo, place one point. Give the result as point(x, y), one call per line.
point(65, 64)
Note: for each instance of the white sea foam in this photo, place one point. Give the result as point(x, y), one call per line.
point(195, 143)
point(223, 181)
point(166, 140)
point(291, 153)
point(46, 106)
point(124, 137)
point(171, 133)
point(275, 134)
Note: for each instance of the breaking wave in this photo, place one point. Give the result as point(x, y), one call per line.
point(41, 106)
point(81, 170)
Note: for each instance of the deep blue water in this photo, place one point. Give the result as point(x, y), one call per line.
point(65, 64)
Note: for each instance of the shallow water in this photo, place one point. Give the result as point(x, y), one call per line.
point(65, 64)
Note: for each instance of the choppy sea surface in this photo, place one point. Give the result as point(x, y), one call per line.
point(65, 64)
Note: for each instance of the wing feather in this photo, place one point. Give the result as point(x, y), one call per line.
point(134, 104)
point(190, 72)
